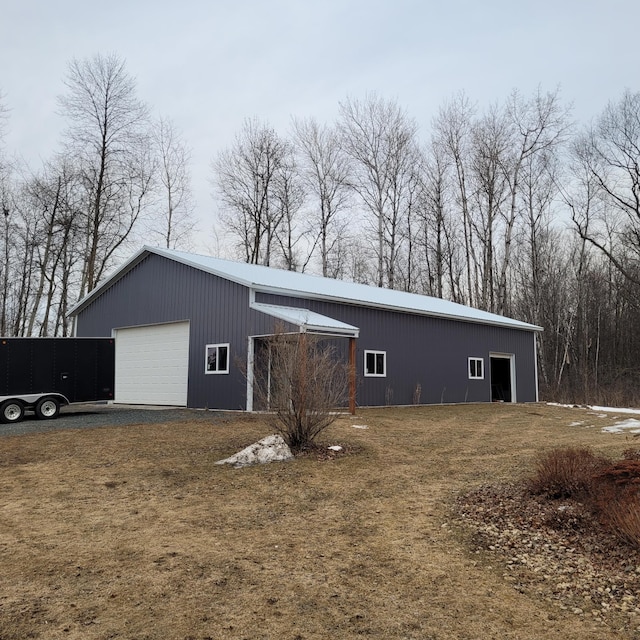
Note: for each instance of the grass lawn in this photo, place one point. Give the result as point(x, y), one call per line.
point(135, 533)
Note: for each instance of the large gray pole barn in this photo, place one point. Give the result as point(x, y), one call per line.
point(188, 328)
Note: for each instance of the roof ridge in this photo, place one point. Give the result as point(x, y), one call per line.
point(267, 279)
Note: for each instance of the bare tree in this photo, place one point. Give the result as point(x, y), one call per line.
point(491, 146)
point(437, 235)
point(9, 234)
point(536, 239)
point(453, 128)
point(302, 383)
point(538, 127)
point(47, 201)
point(608, 157)
point(289, 197)
point(175, 195)
point(19, 245)
point(5, 223)
point(488, 155)
point(108, 136)
point(381, 140)
point(246, 176)
point(325, 169)
point(4, 119)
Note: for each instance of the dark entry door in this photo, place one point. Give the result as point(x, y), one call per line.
point(501, 379)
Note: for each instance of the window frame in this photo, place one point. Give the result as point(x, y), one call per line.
point(217, 346)
point(475, 360)
point(384, 364)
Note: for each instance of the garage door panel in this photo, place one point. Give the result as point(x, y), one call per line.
point(152, 364)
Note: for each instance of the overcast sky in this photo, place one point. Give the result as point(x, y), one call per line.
point(209, 64)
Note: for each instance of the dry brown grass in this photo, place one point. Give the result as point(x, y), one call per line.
point(134, 532)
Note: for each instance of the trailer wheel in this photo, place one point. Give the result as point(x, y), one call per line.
point(47, 408)
point(11, 411)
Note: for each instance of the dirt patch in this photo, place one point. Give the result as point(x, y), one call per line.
point(135, 532)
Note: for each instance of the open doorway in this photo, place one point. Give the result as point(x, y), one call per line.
point(503, 388)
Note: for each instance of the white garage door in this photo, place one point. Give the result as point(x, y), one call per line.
point(152, 364)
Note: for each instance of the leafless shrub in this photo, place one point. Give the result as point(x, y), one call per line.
point(609, 491)
point(623, 473)
point(615, 499)
point(566, 473)
point(302, 386)
point(623, 518)
point(617, 507)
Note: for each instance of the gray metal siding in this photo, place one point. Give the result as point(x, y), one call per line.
point(159, 290)
point(430, 352)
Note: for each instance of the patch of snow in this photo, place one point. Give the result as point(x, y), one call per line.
point(615, 410)
point(631, 425)
point(335, 447)
point(566, 406)
point(270, 449)
point(593, 407)
point(360, 426)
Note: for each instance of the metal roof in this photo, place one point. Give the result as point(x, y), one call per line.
point(307, 320)
point(302, 285)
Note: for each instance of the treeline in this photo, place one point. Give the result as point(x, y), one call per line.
point(514, 209)
point(119, 176)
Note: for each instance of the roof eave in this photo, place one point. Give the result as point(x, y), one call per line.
point(337, 331)
point(524, 326)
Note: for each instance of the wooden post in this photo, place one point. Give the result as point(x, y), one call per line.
point(352, 376)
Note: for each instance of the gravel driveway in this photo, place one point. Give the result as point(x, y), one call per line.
point(87, 416)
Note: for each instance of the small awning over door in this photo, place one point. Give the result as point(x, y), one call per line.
point(307, 320)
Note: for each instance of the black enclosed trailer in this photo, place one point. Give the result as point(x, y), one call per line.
point(41, 374)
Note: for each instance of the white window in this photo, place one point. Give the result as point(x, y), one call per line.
point(216, 358)
point(375, 363)
point(476, 368)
